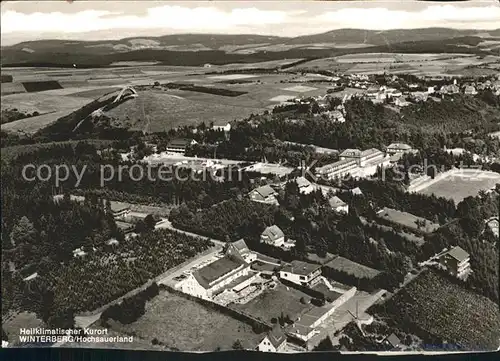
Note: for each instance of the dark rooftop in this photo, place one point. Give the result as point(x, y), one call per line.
point(458, 253)
point(118, 206)
point(265, 191)
point(180, 142)
point(276, 336)
point(393, 340)
point(301, 268)
point(241, 246)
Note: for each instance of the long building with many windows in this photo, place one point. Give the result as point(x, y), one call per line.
point(356, 163)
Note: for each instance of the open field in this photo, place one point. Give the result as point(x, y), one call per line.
point(357, 270)
point(12, 88)
point(137, 343)
point(160, 111)
point(418, 64)
point(461, 184)
point(392, 57)
point(41, 102)
point(34, 124)
point(300, 89)
point(17, 321)
point(232, 76)
point(440, 307)
point(271, 303)
point(189, 326)
point(406, 219)
point(157, 110)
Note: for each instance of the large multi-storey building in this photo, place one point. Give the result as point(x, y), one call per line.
point(363, 157)
point(207, 281)
point(456, 261)
point(301, 273)
point(338, 169)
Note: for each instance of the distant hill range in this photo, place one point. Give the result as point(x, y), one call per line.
point(198, 49)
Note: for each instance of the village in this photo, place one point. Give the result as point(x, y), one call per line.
point(252, 185)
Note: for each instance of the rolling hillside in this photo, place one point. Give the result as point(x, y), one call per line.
point(197, 49)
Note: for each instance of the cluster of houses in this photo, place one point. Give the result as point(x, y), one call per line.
point(268, 194)
point(380, 94)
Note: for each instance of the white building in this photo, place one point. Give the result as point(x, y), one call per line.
point(119, 209)
point(79, 252)
point(208, 280)
point(395, 148)
point(225, 128)
point(456, 261)
point(335, 116)
point(449, 89)
point(363, 157)
point(493, 224)
point(304, 326)
point(180, 145)
point(273, 236)
point(264, 194)
point(393, 93)
point(240, 249)
point(367, 160)
point(301, 273)
point(401, 102)
point(338, 205)
point(338, 169)
point(275, 341)
point(470, 90)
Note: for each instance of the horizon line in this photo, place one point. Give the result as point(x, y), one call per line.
point(247, 34)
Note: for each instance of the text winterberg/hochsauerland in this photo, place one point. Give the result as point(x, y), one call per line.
point(61, 335)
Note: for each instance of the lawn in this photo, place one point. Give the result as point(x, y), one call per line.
point(12, 88)
point(462, 185)
point(159, 111)
point(440, 307)
point(18, 321)
point(271, 303)
point(357, 270)
point(186, 325)
point(41, 102)
point(407, 220)
point(34, 124)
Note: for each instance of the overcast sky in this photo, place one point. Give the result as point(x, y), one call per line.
point(102, 20)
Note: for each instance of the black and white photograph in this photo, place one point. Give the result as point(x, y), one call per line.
point(270, 176)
